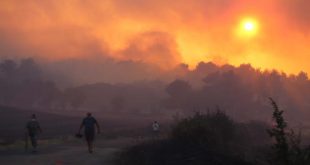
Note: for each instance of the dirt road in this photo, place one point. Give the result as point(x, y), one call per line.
point(66, 153)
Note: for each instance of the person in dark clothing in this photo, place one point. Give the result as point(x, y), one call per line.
point(33, 128)
point(89, 123)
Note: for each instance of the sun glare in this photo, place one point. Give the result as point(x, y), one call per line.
point(248, 27)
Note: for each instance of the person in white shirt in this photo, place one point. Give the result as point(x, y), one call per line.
point(155, 128)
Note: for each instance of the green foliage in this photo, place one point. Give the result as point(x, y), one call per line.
point(287, 148)
point(281, 147)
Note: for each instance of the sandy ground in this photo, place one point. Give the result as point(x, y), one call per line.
point(65, 153)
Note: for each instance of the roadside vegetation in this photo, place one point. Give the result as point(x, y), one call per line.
point(216, 139)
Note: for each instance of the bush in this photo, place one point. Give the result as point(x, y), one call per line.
point(286, 149)
point(215, 139)
point(213, 131)
point(208, 139)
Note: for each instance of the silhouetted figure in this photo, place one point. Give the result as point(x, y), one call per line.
point(33, 129)
point(89, 123)
point(155, 128)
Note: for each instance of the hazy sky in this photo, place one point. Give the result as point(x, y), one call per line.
point(265, 33)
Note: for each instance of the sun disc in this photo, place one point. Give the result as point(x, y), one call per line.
point(248, 27)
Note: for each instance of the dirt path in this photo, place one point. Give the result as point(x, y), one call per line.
point(72, 153)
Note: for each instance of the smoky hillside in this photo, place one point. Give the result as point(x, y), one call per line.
point(141, 90)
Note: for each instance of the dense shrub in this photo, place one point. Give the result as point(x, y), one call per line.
point(208, 139)
point(214, 131)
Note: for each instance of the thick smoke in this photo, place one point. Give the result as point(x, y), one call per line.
point(242, 91)
point(186, 31)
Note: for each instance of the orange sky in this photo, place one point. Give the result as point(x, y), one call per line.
point(159, 32)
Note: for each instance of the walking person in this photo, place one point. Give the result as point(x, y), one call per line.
point(89, 123)
point(155, 128)
point(32, 130)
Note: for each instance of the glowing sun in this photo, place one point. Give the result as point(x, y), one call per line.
point(248, 27)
